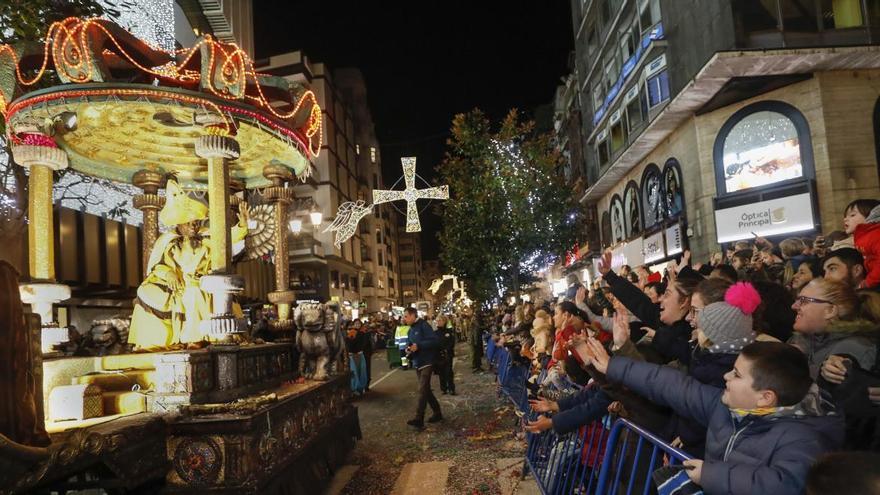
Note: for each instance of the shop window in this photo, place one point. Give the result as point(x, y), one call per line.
point(606, 229)
point(762, 144)
point(672, 188)
point(618, 227)
point(618, 136)
point(632, 210)
point(652, 196)
point(658, 89)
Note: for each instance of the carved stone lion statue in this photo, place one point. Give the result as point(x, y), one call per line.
point(318, 339)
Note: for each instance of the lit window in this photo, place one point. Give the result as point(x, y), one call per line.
point(357, 149)
point(658, 89)
point(372, 154)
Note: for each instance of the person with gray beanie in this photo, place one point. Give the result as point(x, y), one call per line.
point(721, 315)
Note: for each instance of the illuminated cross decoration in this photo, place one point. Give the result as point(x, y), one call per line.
point(410, 194)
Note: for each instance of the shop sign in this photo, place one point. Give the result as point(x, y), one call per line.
point(654, 249)
point(674, 242)
point(773, 217)
point(628, 253)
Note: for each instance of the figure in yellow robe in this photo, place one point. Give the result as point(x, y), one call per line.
point(170, 304)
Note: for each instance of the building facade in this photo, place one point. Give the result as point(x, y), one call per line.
point(360, 271)
point(410, 251)
point(378, 248)
point(705, 123)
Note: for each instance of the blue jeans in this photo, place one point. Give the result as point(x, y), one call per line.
point(358, 366)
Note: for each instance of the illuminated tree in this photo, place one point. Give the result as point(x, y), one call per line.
point(509, 212)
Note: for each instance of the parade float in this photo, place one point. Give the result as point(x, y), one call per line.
point(190, 404)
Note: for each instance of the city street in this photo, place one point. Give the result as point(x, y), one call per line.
point(474, 450)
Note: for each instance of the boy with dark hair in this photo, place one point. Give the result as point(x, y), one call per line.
point(765, 428)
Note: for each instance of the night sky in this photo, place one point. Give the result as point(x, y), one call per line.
point(425, 61)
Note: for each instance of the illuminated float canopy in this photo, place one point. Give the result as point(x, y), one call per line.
point(151, 120)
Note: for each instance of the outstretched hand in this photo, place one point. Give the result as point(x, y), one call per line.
point(598, 355)
point(605, 263)
point(540, 424)
point(542, 405)
point(685, 261)
point(621, 331)
point(581, 295)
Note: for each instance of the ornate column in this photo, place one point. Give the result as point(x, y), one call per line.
point(222, 283)
point(38, 153)
point(149, 203)
point(282, 297)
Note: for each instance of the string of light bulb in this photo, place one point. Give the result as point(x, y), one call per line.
point(74, 62)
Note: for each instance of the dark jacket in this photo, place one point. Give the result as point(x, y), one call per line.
point(862, 415)
point(670, 341)
point(750, 456)
point(421, 334)
point(356, 343)
point(580, 409)
point(447, 343)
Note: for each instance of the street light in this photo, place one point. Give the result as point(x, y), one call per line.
point(317, 217)
point(296, 225)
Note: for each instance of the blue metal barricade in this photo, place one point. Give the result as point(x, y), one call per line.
point(567, 463)
point(491, 352)
point(631, 456)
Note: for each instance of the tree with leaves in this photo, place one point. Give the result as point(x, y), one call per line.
point(21, 21)
point(509, 212)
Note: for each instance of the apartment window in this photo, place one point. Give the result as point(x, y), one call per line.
point(357, 149)
point(618, 136)
point(649, 13)
point(592, 40)
point(602, 151)
point(634, 113)
point(598, 97)
point(658, 89)
point(372, 154)
point(375, 181)
point(381, 257)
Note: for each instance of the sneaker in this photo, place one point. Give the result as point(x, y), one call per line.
point(435, 418)
point(417, 423)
